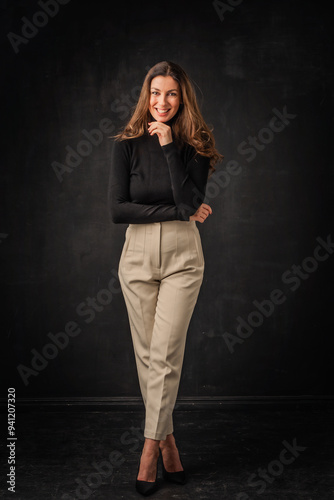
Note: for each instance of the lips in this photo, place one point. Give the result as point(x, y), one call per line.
point(162, 111)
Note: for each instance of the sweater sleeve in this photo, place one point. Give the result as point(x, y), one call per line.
point(121, 208)
point(189, 177)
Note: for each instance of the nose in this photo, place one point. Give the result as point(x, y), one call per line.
point(162, 99)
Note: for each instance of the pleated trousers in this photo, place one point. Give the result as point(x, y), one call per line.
point(160, 271)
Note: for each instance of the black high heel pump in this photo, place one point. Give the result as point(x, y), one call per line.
point(146, 487)
point(178, 477)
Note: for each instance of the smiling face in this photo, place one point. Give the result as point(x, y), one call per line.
point(165, 98)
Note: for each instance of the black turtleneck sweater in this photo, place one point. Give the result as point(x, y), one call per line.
point(153, 183)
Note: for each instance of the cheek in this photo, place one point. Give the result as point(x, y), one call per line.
point(176, 103)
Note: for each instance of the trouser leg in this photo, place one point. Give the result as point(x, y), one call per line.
point(176, 301)
point(140, 298)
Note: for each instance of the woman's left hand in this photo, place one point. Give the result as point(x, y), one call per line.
point(201, 213)
point(163, 131)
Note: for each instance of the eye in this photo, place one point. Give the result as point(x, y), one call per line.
point(154, 92)
point(173, 94)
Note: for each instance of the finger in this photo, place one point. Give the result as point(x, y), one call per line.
point(204, 205)
point(205, 214)
point(159, 125)
point(154, 130)
point(204, 211)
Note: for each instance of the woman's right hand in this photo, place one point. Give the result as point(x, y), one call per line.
point(201, 213)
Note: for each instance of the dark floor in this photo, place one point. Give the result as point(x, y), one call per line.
point(72, 454)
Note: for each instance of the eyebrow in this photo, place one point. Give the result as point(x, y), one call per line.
point(154, 88)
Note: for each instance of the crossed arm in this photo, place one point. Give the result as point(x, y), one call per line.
point(188, 181)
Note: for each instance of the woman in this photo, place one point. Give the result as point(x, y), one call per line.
point(159, 169)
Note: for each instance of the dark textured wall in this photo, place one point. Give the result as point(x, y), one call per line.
point(263, 74)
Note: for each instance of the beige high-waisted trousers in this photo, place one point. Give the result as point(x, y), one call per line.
point(160, 271)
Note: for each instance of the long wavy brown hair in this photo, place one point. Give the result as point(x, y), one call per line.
point(188, 124)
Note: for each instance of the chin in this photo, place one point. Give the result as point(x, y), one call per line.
point(162, 119)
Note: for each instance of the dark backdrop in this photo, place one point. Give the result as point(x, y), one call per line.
point(263, 324)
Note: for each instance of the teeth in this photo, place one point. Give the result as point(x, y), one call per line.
point(162, 111)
